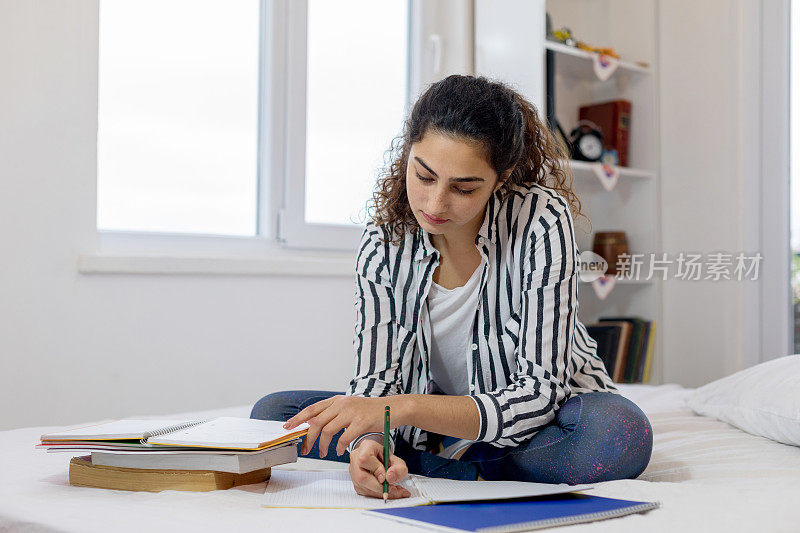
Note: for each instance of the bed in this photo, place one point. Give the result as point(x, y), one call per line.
point(708, 475)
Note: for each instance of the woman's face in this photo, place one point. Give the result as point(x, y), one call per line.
point(448, 179)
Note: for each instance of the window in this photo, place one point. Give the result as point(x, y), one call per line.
point(360, 64)
point(260, 118)
point(795, 169)
point(354, 107)
point(353, 60)
point(178, 116)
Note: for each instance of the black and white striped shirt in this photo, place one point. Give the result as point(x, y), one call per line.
point(530, 352)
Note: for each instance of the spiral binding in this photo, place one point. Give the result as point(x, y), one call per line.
point(170, 429)
point(569, 520)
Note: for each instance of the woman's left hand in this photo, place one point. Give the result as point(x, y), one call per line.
point(325, 418)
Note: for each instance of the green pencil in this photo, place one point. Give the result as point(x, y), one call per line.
point(386, 455)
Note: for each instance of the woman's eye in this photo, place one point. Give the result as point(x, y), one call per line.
point(460, 191)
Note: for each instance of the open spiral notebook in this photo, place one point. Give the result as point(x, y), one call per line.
point(475, 506)
point(333, 489)
point(511, 516)
point(224, 432)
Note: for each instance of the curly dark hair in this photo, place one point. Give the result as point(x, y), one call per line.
point(474, 109)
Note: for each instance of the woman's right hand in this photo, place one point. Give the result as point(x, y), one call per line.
point(366, 471)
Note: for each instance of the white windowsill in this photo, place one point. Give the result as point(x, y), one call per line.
point(141, 253)
point(262, 266)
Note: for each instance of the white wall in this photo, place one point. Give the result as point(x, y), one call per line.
point(78, 347)
point(704, 153)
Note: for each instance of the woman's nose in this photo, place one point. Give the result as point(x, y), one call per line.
point(438, 204)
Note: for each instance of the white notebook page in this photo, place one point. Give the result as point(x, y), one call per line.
point(326, 489)
point(318, 489)
point(129, 428)
point(449, 490)
point(228, 432)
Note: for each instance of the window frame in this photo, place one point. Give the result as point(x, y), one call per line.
point(767, 314)
point(292, 229)
point(440, 42)
point(283, 239)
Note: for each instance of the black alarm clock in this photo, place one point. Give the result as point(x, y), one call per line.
point(586, 141)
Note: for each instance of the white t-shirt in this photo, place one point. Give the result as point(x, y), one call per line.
point(452, 312)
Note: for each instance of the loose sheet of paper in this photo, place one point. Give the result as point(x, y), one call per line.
point(327, 489)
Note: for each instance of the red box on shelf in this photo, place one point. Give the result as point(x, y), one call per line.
point(614, 119)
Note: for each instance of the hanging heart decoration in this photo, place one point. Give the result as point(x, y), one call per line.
point(603, 286)
point(604, 66)
point(607, 174)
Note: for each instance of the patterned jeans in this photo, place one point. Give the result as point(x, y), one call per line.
point(596, 436)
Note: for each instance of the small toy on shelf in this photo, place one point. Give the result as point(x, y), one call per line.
point(564, 35)
point(605, 51)
point(610, 158)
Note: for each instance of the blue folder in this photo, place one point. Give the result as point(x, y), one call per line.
point(515, 515)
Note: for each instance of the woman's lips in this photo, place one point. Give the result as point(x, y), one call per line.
point(433, 220)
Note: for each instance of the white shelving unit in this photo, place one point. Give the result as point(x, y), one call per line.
point(578, 62)
point(510, 45)
point(583, 169)
point(624, 281)
point(633, 206)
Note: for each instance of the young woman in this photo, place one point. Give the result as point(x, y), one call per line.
point(467, 314)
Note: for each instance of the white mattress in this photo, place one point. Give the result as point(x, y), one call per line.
point(708, 475)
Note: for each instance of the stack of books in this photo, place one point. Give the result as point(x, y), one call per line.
point(156, 455)
point(625, 344)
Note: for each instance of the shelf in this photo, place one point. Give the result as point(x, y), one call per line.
point(575, 62)
point(633, 204)
point(628, 281)
point(584, 169)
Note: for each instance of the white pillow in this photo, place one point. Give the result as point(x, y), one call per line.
point(763, 399)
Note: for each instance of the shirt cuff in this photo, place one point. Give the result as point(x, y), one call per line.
point(490, 416)
point(352, 445)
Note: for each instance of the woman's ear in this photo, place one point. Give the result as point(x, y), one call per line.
point(502, 179)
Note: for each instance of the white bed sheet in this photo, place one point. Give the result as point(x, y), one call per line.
point(708, 475)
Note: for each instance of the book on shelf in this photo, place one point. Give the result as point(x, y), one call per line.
point(613, 118)
point(649, 355)
point(640, 362)
point(625, 345)
point(612, 345)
